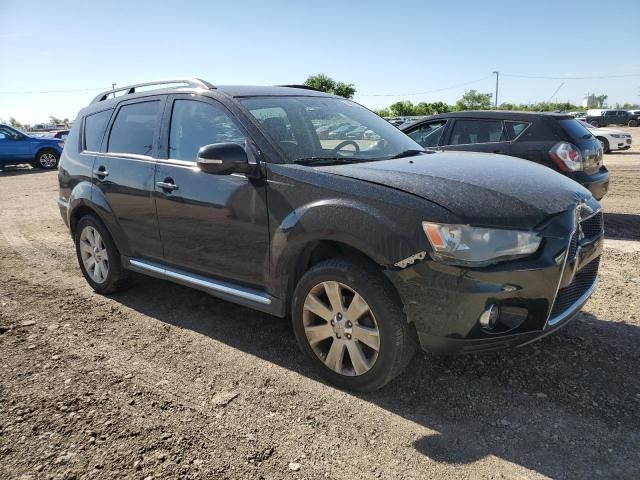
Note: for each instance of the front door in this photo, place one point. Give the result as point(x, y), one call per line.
point(123, 171)
point(215, 225)
point(15, 146)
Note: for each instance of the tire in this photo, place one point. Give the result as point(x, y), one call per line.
point(396, 338)
point(106, 280)
point(47, 159)
point(595, 123)
point(632, 123)
point(605, 144)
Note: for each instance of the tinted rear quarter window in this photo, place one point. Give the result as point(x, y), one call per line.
point(133, 129)
point(574, 129)
point(514, 129)
point(94, 128)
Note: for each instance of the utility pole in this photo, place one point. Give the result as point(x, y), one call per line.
point(497, 74)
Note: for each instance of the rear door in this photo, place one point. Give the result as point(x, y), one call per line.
point(215, 225)
point(124, 169)
point(478, 135)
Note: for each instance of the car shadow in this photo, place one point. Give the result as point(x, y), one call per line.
point(14, 170)
point(565, 407)
point(622, 226)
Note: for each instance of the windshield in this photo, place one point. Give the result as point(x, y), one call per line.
point(315, 128)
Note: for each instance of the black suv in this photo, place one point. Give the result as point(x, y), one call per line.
point(555, 140)
point(373, 246)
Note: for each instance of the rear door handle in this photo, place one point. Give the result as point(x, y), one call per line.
point(167, 185)
point(101, 172)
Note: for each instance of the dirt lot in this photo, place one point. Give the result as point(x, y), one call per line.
point(164, 382)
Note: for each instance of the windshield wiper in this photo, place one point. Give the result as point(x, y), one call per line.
point(311, 161)
point(411, 153)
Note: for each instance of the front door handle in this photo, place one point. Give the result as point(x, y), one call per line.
point(167, 184)
point(101, 172)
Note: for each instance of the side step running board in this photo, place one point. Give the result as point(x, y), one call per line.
point(249, 297)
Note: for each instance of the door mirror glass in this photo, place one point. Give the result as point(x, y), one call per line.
point(223, 159)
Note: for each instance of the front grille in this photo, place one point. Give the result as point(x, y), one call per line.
point(573, 246)
point(592, 226)
point(570, 294)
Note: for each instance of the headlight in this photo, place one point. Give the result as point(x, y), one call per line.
point(465, 245)
point(61, 144)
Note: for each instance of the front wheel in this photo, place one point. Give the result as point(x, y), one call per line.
point(605, 144)
point(47, 159)
point(595, 123)
point(348, 320)
point(633, 123)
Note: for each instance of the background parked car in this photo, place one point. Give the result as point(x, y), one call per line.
point(611, 117)
point(556, 140)
point(17, 147)
point(610, 138)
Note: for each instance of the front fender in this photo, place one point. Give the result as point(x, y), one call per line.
point(362, 226)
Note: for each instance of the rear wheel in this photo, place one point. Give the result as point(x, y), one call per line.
point(47, 158)
point(633, 123)
point(349, 322)
point(605, 144)
point(595, 123)
point(98, 256)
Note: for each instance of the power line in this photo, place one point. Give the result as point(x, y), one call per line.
point(422, 93)
point(569, 77)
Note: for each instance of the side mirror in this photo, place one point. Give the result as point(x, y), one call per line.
point(223, 159)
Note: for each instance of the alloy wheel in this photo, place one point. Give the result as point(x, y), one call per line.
point(47, 160)
point(94, 254)
point(341, 329)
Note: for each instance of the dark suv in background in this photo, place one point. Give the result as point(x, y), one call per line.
point(555, 140)
point(372, 245)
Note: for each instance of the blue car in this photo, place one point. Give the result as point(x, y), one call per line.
point(18, 147)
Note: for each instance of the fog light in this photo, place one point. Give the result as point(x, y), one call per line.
point(489, 318)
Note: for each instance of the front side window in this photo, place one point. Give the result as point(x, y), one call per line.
point(329, 128)
point(466, 132)
point(429, 135)
point(94, 128)
point(7, 133)
point(196, 124)
point(134, 128)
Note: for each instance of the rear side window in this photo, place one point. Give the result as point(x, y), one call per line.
point(467, 132)
point(428, 135)
point(514, 129)
point(133, 129)
point(94, 128)
point(574, 129)
point(196, 124)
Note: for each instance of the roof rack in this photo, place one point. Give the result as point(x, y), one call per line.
point(304, 87)
point(189, 82)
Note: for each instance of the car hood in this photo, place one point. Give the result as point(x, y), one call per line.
point(480, 188)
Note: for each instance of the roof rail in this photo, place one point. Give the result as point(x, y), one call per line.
point(304, 87)
point(189, 82)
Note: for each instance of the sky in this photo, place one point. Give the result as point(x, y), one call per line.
point(391, 51)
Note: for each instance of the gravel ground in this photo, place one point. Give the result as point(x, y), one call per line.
point(165, 382)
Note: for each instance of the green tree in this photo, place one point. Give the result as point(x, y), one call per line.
point(54, 120)
point(383, 112)
point(402, 109)
point(15, 123)
point(601, 99)
point(473, 100)
point(327, 84)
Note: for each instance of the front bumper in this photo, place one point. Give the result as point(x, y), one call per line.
point(536, 296)
point(63, 205)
